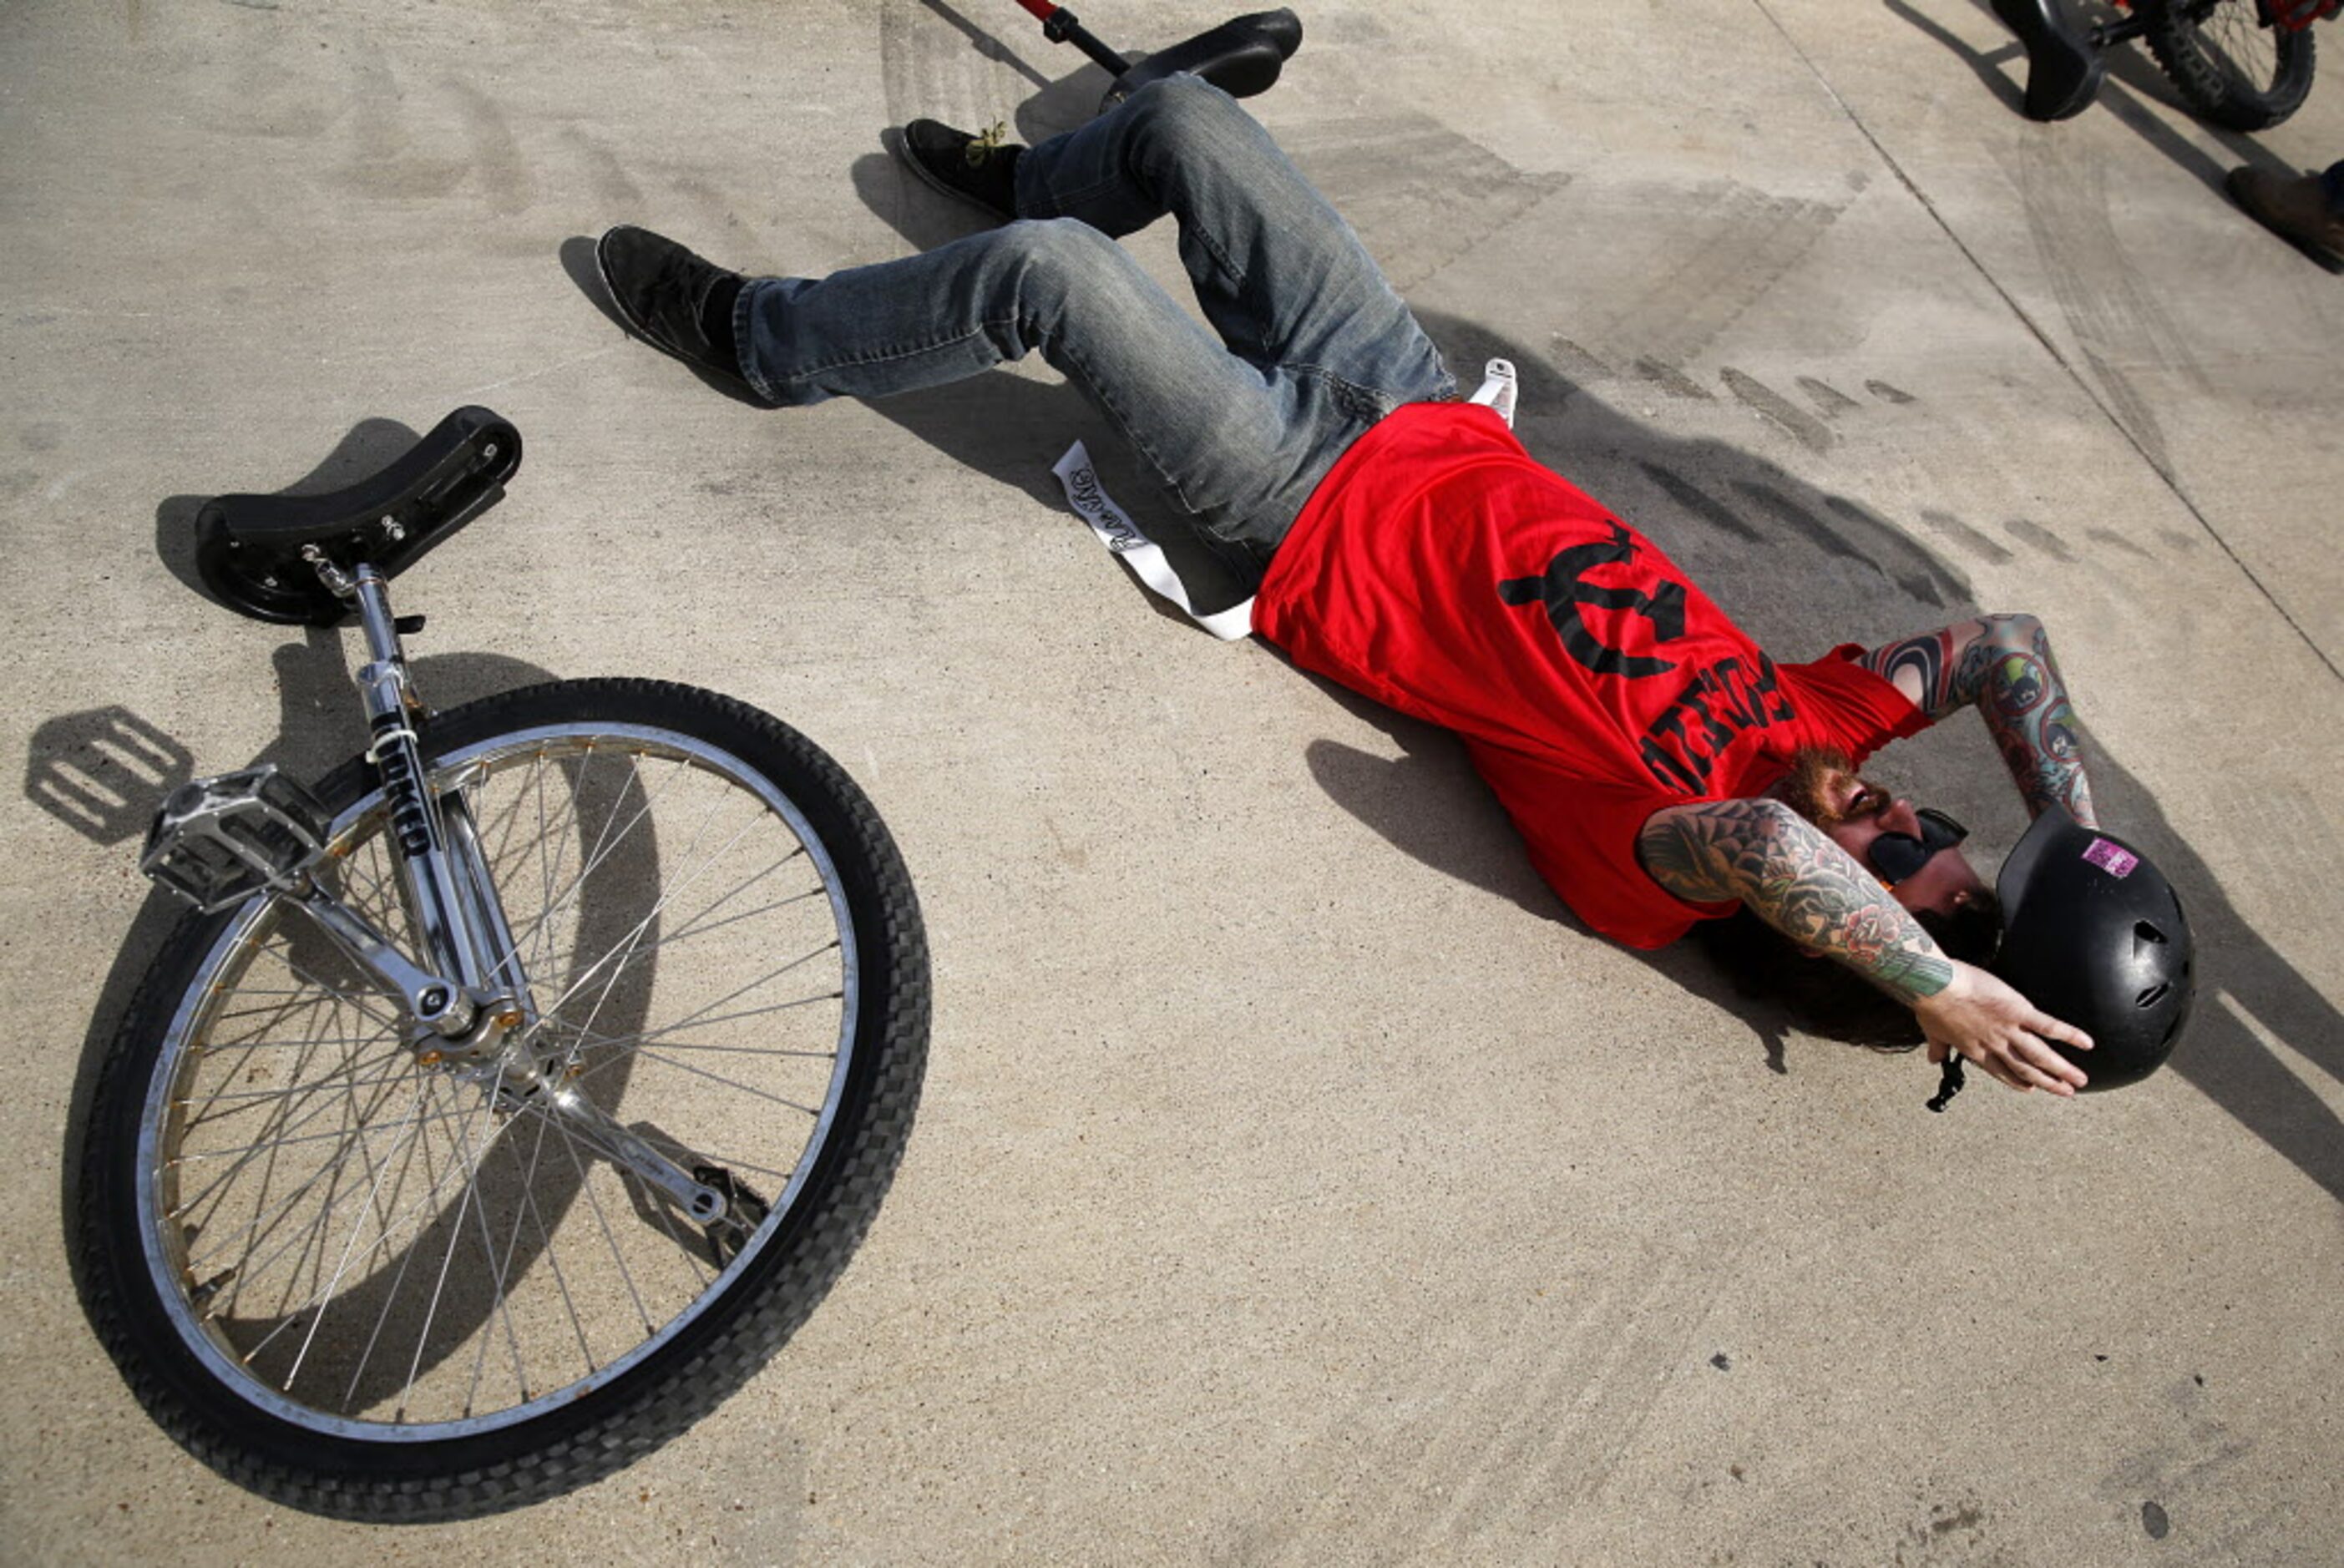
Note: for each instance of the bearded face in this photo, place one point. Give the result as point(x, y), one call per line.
point(1822, 786)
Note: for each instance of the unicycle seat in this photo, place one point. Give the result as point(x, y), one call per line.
point(261, 554)
point(1242, 56)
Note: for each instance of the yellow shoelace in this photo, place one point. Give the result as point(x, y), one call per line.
point(984, 144)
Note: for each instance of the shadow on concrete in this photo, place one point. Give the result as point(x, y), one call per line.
point(1056, 104)
point(103, 772)
point(1429, 804)
point(1720, 509)
point(992, 47)
point(1994, 66)
point(926, 218)
point(1013, 429)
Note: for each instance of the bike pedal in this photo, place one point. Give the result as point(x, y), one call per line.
point(218, 841)
point(745, 1212)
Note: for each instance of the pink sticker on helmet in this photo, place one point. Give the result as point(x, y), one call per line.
point(2111, 858)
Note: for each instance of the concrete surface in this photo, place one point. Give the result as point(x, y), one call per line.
point(1295, 1182)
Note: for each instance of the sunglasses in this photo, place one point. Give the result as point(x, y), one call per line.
point(1897, 855)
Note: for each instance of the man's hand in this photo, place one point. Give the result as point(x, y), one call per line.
point(1793, 876)
point(1988, 1022)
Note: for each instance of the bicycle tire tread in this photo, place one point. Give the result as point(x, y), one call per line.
point(2211, 94)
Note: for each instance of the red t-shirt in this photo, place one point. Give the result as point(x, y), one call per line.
point(1439, 570)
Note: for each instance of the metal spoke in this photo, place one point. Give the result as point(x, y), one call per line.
point(266, 1216)
point(594, 1201)
point(320, 1299)
point(641, 926)
point(694, 927)
point(553, 1255)
point(701, 1018)
point(260, 1269)
point(442, 1249)
point(629, 1042)
point(711, 1077)
point(604, 846)
point(447, 1261)
point(247, 1153)
point(249, 1150)
point(385, 1229)
point(269, 1045)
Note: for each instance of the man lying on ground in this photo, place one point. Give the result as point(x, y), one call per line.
point(1662, 768)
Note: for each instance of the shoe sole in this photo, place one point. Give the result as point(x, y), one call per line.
point(894, 139)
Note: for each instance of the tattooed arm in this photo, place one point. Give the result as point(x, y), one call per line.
point(2002, 666)
point(1794, 877)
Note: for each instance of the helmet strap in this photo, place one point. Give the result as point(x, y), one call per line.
point(1949, 1082)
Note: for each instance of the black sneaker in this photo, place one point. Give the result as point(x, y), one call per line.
point(979, 169)
point(672, 298)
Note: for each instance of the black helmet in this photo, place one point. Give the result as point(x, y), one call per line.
point(2093, 934)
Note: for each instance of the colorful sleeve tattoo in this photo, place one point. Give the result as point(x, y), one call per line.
point(1793, 876)
point(2002, 665)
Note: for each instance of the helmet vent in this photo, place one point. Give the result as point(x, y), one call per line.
point(2145, 931)
point(2154, 993)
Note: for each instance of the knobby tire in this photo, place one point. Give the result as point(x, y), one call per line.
point(2232, 71)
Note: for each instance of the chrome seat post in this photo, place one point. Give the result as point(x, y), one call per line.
point(426, 869)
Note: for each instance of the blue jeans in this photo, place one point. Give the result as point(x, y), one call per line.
point(1309, 346)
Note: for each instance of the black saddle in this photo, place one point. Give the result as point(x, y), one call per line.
point(259, 554)
point(1242, 56)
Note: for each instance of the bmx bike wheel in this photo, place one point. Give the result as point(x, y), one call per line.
point(2232, 69)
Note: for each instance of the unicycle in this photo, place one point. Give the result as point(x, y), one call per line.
point(505, 1099)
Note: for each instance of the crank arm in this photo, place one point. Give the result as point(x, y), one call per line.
point(591, 1125)
point(437, 1002)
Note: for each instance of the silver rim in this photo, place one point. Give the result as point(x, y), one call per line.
point(375, 1249)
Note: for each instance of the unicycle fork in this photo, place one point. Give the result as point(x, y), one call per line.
point(465, 991)
point(257, 832)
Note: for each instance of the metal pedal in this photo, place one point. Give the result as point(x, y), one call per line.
point(218, 841)
point(745, 1212)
